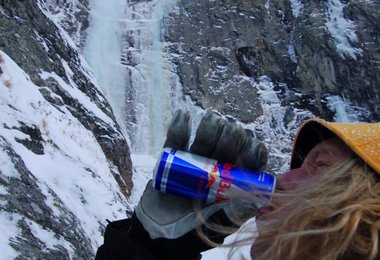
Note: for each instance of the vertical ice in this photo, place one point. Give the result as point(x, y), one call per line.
point(125, 51)
point(345, 110)
point(149, 76)
point(337, 105)
point(103, 51)
point(342, 29)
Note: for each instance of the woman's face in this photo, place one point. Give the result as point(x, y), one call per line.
point(322, 156)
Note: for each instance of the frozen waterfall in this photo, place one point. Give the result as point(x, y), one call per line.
point(149, 83)
point(102, 52)
point(125, 51)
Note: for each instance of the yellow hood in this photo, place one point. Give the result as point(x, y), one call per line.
point(362, 138)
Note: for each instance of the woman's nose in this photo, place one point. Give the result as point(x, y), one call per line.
point(290, 180)
point(325, 159)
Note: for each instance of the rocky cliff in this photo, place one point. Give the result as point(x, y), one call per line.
point(310, 50)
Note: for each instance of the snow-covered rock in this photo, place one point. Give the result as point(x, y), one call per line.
point(65, 164)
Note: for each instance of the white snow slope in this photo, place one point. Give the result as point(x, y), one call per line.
point(73, 163)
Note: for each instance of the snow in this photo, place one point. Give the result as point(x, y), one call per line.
point(142, 172)
point(74, 165)
point(8, 230)
point(48, 237)
point(74, 92)
point(7, 168)
point(297, 7)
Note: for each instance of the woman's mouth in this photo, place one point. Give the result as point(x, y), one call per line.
point(262, 211)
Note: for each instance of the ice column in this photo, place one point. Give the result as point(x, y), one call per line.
point(339, 106)
point(103, 52)
point(149, 75)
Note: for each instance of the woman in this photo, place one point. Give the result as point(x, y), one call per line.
point(328, 205)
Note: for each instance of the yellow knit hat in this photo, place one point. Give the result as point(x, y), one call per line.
point(362, 138)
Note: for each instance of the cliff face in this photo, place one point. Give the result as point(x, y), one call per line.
point(36, 44)
point(58, 136)
point(310, 50)
point(72, 16)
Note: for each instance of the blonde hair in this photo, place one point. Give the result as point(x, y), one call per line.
point(335, 217)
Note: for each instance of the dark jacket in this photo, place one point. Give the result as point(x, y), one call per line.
point(127, 239)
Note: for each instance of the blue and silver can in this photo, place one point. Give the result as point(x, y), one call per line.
point(197, 177)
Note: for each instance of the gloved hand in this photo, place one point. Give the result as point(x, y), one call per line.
point(169, 217)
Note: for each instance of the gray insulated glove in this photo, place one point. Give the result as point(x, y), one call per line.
point(169, 216)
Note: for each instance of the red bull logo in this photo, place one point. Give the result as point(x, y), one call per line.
point(225, 183)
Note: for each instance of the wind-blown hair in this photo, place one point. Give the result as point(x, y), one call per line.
point(335, 217)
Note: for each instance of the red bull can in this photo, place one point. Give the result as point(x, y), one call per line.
point(197, 177)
